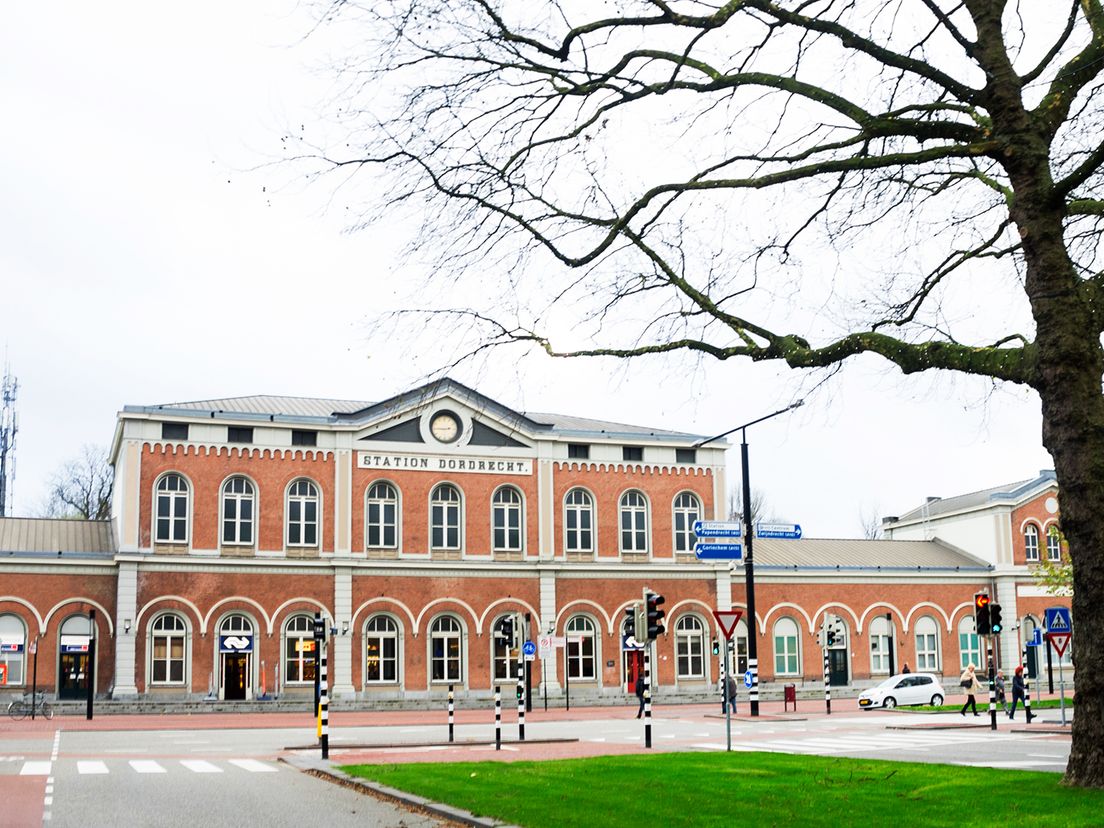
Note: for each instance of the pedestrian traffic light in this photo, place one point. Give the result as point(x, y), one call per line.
point(995, 623)
point(520, 691)
point(653, 616)
point(981, 614)
point(716, 647)
point(830, 636)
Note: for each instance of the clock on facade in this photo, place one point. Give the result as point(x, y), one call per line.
point(445, 427)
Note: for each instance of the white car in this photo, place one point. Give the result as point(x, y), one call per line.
point(908, 688)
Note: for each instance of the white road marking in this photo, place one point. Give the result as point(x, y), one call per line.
point(253, 766)
point(91, 767)
point(35, 769)
point(146, 766)
point(199, 766)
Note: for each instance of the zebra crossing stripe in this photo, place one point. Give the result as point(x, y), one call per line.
point(146, 766)
point(253, 766)
point(35, 769)
point(200, 766)
point(91, 767)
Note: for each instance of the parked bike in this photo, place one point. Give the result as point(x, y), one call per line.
point(21, 708)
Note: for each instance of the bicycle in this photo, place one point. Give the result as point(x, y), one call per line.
point(21, 708)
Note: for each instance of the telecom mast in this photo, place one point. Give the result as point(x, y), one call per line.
point(9, 427)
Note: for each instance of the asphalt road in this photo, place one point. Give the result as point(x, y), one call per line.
point(226, 770)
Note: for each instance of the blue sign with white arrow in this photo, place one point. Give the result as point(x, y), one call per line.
point(718, 529)
point(749, 679)
point(786, 531)
point(1036, 638)
point(718, 551)
point(1058, 620)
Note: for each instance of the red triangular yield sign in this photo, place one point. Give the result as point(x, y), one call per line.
point(1059, 640)
point(728, 620)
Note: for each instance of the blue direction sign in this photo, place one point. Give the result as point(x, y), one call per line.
point(748, 679)
point(718, 551)
point(1058, 620)
point(1036, 638)
point(787, 531)
point(718, 529)
point(529, 648)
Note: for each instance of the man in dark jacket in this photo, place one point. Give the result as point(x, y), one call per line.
point(640, 694)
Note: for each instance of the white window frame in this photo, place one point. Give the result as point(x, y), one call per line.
point(686, 508)
point(787, 647)
point(632, 507)
point(582, 657)
point(160, 630)
point(1031, 543)
point(380, 630)
point(446, 629)
point(508, 518)
point(13, 632)
point(969, 643)
point(690, 648)
point(446, 516)
point(880, 643)
point(575, 535)
point(926, 636)
point(1053, 543)
point(178, 500)
point(248, 494)
point(293, 496)
point(298, 628)
point(386, 495)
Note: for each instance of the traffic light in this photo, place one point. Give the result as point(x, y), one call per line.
point(630, 622)
point(830, 636)
point(653, 616)
point(981, 614)
point(716, 647)
point(520, 691)
point(506, 631)
point(995, 623)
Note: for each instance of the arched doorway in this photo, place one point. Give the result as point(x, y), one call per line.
point(236, 640)
point(74, 667)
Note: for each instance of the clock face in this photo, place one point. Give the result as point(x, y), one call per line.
point(445, 427)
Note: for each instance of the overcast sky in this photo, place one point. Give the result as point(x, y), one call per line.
point(144, 259)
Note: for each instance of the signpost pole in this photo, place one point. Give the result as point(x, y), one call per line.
point(91, 661)
point(1062, 690)
point(34, 674)
point(724, 697)
point(749, 582)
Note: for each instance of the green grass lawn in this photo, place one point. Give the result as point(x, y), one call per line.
point(743, 789)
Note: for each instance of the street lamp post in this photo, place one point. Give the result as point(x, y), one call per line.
point(749, 560)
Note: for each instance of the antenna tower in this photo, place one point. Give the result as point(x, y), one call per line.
point(9, 427)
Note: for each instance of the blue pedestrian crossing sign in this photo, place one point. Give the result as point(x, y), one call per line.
point(1058, 620)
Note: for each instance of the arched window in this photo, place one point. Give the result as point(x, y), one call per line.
point(634, 522)
point(302, 514)
point(381, 650)
point(299, 647)
point(506, 520)
point(881, 644)
point(578, 521)
point(382, 517)
point(505, 667)
point(1031, 542)
point(582, 651)
point(168, 649)
point(171, 510)
point(927, 645)
point(687, 510)
point(1054, 543)
point(444, 517)
point(237, 511)
point(446, 650)
point(690, 647)
point(787, 657)
point(13, 650)
point(969, 646)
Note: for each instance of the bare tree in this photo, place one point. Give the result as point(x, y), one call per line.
point(82, 487)
point(870, 521)
point(789, 181)
point(760, 510)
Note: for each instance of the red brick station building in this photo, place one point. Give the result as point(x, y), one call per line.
point(416, 525)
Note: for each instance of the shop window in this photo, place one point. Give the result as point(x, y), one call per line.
point(690, 647)
point(299, 646)
point(446, 642)
point(582, 651)
point(13, 650)
point(168, 646)
point(381, 650)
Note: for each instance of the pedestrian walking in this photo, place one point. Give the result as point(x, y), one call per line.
point(905, 670)
point(999, 684)
point(730, 693)
point(969, 683)
point(1019, 691)
point(640, 694)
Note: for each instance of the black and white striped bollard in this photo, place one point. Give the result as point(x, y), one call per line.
point(827, 685)
point(992, 688)
point(324, 705)
point(647, 697)
point(498, 719)
point(753, 691)
point(1027, 689)
point(450, 712)
point(521, 696)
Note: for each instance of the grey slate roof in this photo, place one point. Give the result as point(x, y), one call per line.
point(1007, 492)
point(266, 404)
point(48, 535)
point(819, 553)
